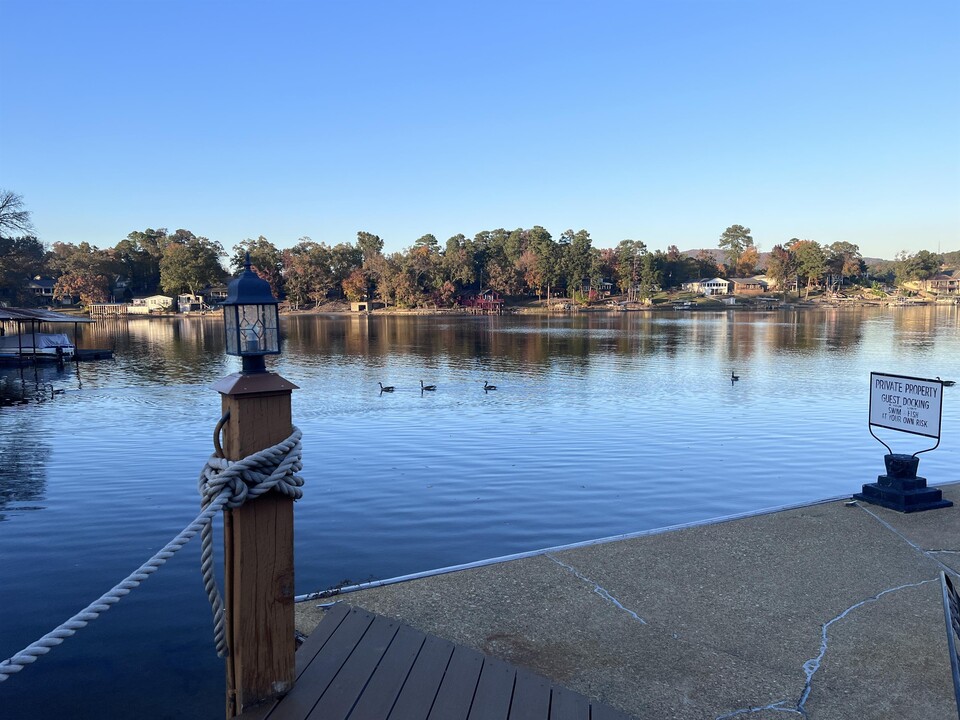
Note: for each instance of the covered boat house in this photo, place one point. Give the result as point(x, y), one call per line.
point(24, 339)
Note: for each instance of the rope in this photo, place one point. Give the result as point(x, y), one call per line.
point(273, 468)
point(222, 484)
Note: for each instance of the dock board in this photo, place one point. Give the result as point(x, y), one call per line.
point(361, 666)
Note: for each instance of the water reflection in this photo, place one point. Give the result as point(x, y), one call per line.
point(36, 383)
point(23, 475)
point(539, 341)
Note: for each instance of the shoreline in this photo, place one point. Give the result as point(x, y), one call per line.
point(565, 307)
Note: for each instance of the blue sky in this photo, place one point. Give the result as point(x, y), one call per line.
point(657, 121)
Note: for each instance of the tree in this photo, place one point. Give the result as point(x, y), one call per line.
point(14, 220)
point(85, 271)
point(650, 276)
point(89, 288)
point(190, 263)
point(138, 258)
point(21, 258)
point(355, 285)
point(529, 270)
point(576, 260)
point(843, 261)
point(747, 265)
point(501, 270)
point(265, 260)
point(811, 262)
point(629, 257)
point(423, 262)
point(705, 265)
point(735, 240)
point(782, 267)
point(344, 259)
point(548, 256)
point(308, 273)
point(428, 241)
point(370, 246)
point(458, 262)
point(920, 266)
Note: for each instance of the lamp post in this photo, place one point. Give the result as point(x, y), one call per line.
point(258, 535)
point(250, 320)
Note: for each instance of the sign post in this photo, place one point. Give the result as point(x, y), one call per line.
point(910, 405)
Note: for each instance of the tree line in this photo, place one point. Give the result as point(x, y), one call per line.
point(523, 261)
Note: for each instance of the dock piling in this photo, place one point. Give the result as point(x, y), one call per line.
point(258, 550)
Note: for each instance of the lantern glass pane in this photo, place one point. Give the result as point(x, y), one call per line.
point(230, 329)
point(258, 329)
point(271, 326)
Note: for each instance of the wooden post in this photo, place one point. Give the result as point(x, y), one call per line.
point(258, 550)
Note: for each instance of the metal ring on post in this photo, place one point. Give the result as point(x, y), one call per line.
point(216, 434)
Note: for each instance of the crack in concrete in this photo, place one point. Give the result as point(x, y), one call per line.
point(908, 541)
point(811, 666)
point(599, 590)
point(773, 707)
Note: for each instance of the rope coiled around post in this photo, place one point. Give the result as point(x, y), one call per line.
point(222, 483)
point(275, 468)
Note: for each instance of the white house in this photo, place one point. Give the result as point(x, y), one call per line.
point(712, 286)
point(154, 303)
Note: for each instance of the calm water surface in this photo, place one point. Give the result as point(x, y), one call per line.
point(601, 424)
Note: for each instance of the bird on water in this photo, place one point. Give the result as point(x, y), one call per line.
point(947, 383)
point(427, 387)
point(386, 388)
point(488, 386)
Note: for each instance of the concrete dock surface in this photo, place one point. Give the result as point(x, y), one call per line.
point(829, 611)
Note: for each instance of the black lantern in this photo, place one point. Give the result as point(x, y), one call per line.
point(250, 320)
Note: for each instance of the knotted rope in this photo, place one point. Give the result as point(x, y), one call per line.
point(273, 468)
point(223, 483)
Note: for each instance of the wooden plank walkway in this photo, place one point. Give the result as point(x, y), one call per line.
point(361, 666)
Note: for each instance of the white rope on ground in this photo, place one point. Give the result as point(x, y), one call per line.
point(223, 483)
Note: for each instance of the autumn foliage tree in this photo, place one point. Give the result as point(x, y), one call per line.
point(88, 287)
point(190, 263)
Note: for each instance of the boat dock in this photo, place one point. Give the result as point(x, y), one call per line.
point(359, 665)
point(28, 322)
point(831, 610)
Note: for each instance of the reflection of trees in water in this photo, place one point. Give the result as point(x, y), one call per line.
point(842, 330)
point(40, 382)
point(542, 339)
point(809, 332)
point(23, 474)
point(915, 328)
point(176, 350)
point(534, 340)
point(191, 349)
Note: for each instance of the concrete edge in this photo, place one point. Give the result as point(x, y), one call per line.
point(324, 594)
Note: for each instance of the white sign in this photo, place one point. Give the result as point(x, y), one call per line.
point(907, 404)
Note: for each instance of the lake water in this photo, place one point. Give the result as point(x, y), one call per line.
point(601, 424)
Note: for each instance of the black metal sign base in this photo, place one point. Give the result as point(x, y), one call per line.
point(900, 489)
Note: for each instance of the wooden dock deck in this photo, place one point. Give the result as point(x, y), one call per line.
point(361, 666)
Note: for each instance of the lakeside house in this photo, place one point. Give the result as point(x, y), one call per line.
point(151, 304)
point(487, 301)
point(945, 283)
point(214, 294)
point(187, 302)
point(709, 286)
point(749, 286)
point(42, 288)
